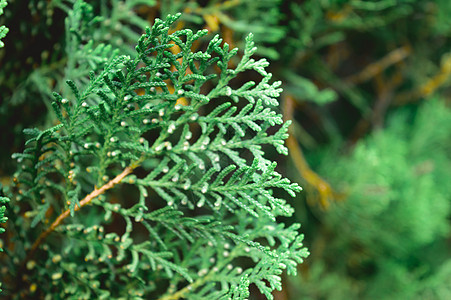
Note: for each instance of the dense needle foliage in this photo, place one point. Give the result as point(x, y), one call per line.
point(200, 222)
point(178, 138)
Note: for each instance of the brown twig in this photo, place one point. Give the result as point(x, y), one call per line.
point(377, 67)
point(430, 86)
point(384, 98)
point(97, 192)
point(181, 293)
point(326, 193)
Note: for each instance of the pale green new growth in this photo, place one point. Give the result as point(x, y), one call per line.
point(198, 219)
point(3, 29)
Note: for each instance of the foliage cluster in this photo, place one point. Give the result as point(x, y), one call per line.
point(372, 156)
point(393, 229)
point(3, 29)
point(199, 221)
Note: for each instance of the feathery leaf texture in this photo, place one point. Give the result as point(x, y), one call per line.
point(206, 195)
point(3, 29)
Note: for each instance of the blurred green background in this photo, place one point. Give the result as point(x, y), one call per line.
point(367, 84)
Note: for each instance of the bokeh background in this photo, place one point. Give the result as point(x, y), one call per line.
point(367, 85)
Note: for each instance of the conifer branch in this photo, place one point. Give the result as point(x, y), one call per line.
point(3, 29)
point(211, 202)
point(85, 201)
point(181, 293)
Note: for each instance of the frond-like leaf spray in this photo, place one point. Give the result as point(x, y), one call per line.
point(154, 184)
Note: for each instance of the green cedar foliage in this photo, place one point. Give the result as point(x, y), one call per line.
point(56, 38)
point(402, 184)
point(393, 229)
point(3, 29)
point(356, 52)
point(3, 200)
point(262, 18)
point(194, 214)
